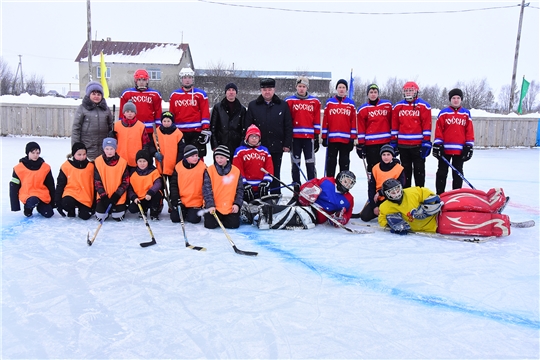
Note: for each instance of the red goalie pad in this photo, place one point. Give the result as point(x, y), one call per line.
point(473, 200)
point(473, 223)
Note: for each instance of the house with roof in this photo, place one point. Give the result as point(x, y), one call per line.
point(161, 60)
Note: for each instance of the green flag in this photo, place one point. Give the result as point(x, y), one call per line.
point(524, 89)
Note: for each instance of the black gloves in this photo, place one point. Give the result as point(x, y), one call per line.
point(264, 187)
point(467, 152)
point(361, 151)
point(114, 198)
point(112, 134)
point(325, 142)
point(393, 143)
point(438, 150)
point(204, 138)
point(248, 193)
point(316, 144)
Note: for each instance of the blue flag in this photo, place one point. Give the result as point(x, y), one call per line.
point(351, 87)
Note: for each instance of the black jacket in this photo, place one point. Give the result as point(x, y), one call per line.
point(227, 126)
point(274, 120)
point(15, 183)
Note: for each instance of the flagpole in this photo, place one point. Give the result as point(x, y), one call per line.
point(513, 84)
point(89, 39)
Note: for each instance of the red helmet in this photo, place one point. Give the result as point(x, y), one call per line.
point(141, 74)
point(410, 90)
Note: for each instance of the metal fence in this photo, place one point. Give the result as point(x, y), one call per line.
point(56, 120)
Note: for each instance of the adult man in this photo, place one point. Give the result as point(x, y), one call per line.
point(339, 129)
point(227, 120)
point(147, 100)
point(411, 133)
point(189, 106)
point(374, 120)
point(306, 116)
point(273, 118)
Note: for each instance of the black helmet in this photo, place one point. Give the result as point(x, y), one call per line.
point(345, 181)
point(393, 190)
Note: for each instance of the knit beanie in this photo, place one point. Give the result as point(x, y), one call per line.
point(231, 86)
point(344, 82)
point(93, 86)
point(76, 147)
point(252, 130)
point(372, 86)
point(268, 83)
point(190, 150)
point(302, 80)
point(129, 106)
point(455, 92)
point(110, 142)
point(223, 151)
point(387, 148)
point(143, 154)
point(167, 114)
point(31, 146)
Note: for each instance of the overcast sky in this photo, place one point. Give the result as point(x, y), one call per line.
point(440, 48)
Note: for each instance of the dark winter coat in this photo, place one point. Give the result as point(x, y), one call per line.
point(274, 120)
point(91, 124)
point(227, 126)
point(14, 186)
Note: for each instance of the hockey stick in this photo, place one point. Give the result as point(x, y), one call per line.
point(357, 215)
point(457, 172)
point(435, 235)
point(522, 224)
point(299, 167)
point(188, 245)
point(319, 208)
point(236, 250)
point(150, 243)
point(90, 242)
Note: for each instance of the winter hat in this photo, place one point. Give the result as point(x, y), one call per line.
point(223, 151)
point(93, 86)
point(31, 146)
point(387, 148)
point(252, 130)
point(76, 147)
point(302, 80)
point(167, 114)
point(268, 83)
point(129, 106)
point(143, 154)
point(455, 92)
point(190, 150)
point(372, 86)
point(110, 142)
point(231, 86)
point(344, 82)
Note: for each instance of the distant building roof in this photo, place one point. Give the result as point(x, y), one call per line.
point(323, 75)
point(134, 52)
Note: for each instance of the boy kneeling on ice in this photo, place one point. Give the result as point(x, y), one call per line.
point(145, 187)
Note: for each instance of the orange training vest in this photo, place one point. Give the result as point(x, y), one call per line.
point(382, 176)
point(141, 184)
point(129, 141)
point(224, 188)
point(111, 176)
point(33, 182)
point(168, 147)
point(190, 184)
point(80, 183)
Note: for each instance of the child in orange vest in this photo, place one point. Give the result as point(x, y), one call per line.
point(32, 183)
point(111, 180)
point(186, 186)
point(130, 134)
point(75, 184)
point(223, 191)
point(145, 187)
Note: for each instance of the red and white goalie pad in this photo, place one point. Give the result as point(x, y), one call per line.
point(473, 223)
point(473, 200)
point(309, 194)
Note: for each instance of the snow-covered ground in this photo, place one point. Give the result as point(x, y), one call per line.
point(320, 293)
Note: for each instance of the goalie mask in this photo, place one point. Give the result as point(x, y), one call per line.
point(393, 191)
point(345, 181)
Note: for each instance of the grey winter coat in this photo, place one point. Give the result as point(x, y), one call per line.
point(91, 124)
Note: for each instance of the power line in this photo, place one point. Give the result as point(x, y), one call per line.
point(357, 13)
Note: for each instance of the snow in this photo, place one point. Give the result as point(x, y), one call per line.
point(320, 293)
point(163, 54)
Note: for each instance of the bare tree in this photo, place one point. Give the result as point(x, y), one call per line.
point(477, 94)
point(393, 90)
point(504, 99)
point(6, 77)
point(35, 85)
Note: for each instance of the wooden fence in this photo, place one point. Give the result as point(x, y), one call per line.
point(56, 120)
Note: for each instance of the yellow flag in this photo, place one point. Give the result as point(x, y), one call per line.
point(103, 69)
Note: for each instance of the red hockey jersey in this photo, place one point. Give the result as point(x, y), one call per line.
point(250, 160)
point(306, 116)
point(454, 129)
point(374, 123)
point(148, 103)
point(411, 122)
point(339, 120)
point(190, 109)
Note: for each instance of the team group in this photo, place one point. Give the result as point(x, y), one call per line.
point(111, 166)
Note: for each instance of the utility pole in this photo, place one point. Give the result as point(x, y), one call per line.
point(17, 73)
point(513, 84)
point(89, 39)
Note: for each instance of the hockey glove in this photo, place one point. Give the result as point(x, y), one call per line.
point(394, 144)
point(325, 142)
point(361, 151)
point(339, 216)
point(467, 152)
point(113, 134)
point(105, 201)
point(248, 193)
point(397, 224)
point(158, 156)
point(309, 194)
point(316, 144)
point(114, 198)
point(264, 187)
point(425, 149)
point(438, 150)
point(204, 137)
point(431, 206)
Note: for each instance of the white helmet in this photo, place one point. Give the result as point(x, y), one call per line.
point(186, 72)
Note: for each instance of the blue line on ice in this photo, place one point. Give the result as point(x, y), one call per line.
point(378, 286)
